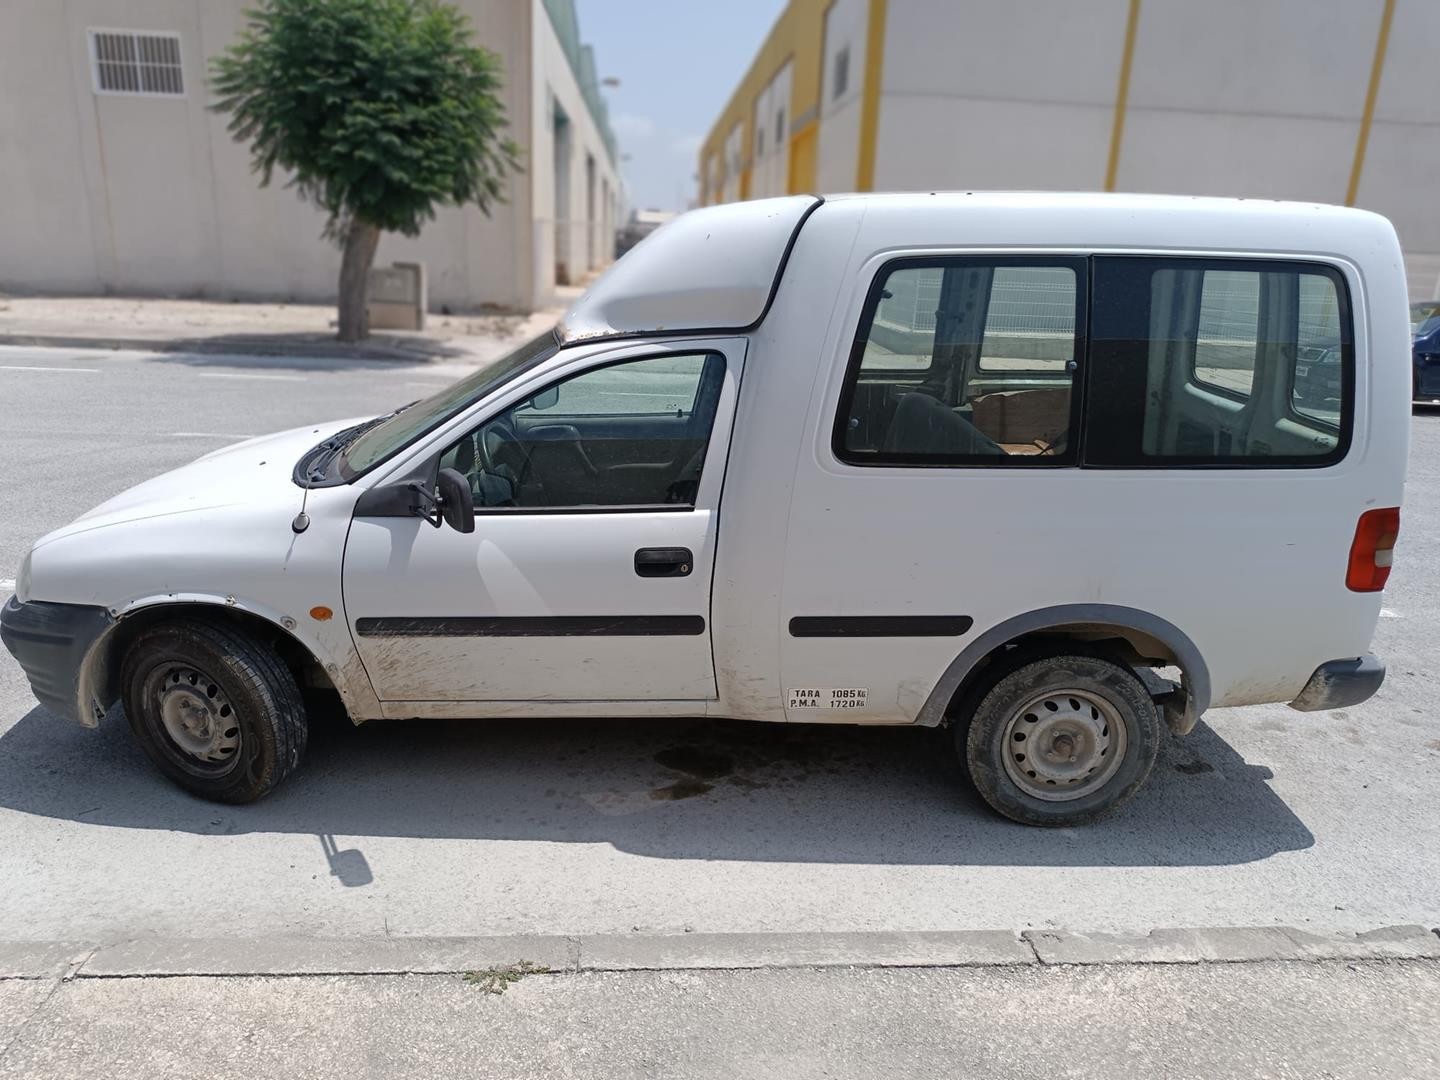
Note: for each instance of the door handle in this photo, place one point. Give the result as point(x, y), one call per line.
point(664, 562)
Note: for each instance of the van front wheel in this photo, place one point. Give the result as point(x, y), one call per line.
point(1061, 741)
point(218, 712)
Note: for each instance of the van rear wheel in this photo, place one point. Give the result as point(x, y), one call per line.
point(217, 712)
point(1061, 740)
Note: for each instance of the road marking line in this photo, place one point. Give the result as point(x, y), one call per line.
point(206, 435)
point(1386, 613)
point(248, 375)
point(7, 584)
point(26, 367)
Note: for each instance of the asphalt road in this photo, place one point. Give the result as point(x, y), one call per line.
point(1262, 816)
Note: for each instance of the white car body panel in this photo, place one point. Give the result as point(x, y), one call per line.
point(218, 532)
point(732, 255)
point(543, 565)
point(1259, 592)
point(1246, 567)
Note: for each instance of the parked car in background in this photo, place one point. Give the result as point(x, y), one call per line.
point(1318, 386)
point(1425, 349)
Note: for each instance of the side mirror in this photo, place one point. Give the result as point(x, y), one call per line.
point(546, 399)
point(457, 505)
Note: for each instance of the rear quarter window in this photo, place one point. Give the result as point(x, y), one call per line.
point(1218, 362)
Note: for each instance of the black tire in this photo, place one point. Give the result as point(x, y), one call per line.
point(261, 738)
point(1109, 691)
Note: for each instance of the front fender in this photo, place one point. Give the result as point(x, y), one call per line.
point(326, 641)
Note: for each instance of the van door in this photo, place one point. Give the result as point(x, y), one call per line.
point(587, 577)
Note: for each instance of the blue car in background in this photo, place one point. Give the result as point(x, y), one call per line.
point(1425, 350)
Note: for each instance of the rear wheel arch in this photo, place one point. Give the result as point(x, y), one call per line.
point(1126, 635)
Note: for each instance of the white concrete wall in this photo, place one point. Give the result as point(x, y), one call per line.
point(564, 227)
point(472, 258)
point(771, 170)
point(1401, 178)
point(1227, 97)
point(734, 162)
point(1235, 98)
point(994, 94)
point(151, 195)
point(839, 139)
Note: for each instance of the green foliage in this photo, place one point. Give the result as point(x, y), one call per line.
point(381, 109)
point(497, 980)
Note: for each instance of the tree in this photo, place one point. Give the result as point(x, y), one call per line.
point(380, 111)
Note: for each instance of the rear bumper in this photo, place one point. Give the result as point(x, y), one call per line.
point(50, 642)
point(1340, 683)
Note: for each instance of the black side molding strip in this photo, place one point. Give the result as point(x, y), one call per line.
point(880, 625)
point(534, 626)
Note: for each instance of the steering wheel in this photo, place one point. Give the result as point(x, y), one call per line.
point(498, 429)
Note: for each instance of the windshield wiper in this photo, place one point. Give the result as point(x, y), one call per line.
point(317, 459)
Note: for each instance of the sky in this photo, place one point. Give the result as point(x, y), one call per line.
point(678, 61)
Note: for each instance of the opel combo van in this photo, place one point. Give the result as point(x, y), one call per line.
point(1054, 472)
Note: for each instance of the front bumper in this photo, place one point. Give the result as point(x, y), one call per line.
point(51, 642)
point(1338, 684)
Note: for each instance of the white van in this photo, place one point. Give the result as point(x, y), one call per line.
point(1047, 470)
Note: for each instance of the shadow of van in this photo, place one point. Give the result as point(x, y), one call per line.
point(692, 789)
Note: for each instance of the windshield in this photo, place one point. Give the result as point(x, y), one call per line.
point(382, 440)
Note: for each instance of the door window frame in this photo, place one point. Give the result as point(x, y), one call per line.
point(420, 460)
point(560, 380)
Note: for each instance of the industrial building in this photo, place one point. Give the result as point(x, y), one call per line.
point(118, 177)
point(1325, 100)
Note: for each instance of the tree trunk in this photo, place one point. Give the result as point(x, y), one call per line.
point(361, 240)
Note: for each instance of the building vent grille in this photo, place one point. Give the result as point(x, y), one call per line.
point(129, 62)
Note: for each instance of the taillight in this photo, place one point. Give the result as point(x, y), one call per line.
point(1372, 548)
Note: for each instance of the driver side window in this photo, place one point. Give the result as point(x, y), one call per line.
point(630, 434)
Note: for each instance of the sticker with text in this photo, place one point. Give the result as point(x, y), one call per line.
point(827, 698)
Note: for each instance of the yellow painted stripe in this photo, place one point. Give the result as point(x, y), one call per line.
point(870, 102)
point(802, 160)
point(796, 38)
point(1377, 68)
point(1122, 95)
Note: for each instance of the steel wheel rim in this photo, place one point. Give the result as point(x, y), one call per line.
point(1063, 745)
point(195, 717)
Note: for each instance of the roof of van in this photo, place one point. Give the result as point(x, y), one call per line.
point(717, 268)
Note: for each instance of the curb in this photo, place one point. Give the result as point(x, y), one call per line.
point(245, 346)
point(304, 956)
point(222, 347)
point(1237, 944)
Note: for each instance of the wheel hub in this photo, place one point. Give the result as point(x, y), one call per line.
point(1063, 745)
point(197, 716)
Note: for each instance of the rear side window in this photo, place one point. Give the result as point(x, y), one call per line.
point(1199, 362)
point(965, 361)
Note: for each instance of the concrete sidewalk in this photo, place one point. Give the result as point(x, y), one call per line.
point(206, 326)
point(1265, 1001)
point(1335, 1019)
